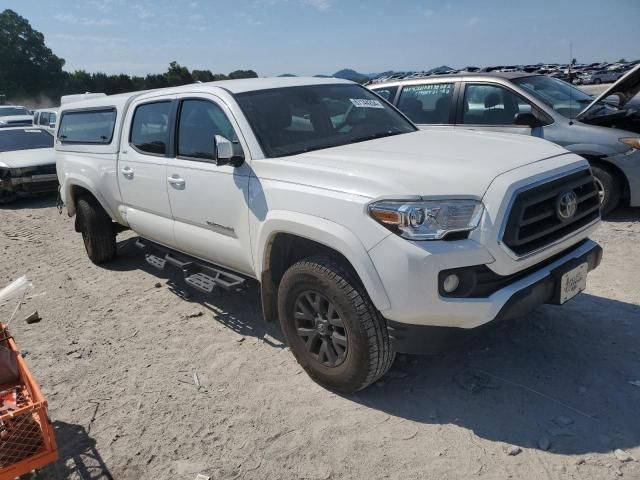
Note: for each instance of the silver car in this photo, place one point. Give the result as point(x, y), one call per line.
point(602, 76)
point(604, 130)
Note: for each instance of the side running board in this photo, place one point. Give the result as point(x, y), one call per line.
point(197, 274)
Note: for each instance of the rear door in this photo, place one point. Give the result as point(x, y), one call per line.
point(429, 105)
point(142, 168)
point(209, 202)
point(493, 107)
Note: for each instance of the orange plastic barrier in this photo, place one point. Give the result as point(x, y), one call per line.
point(27, 441)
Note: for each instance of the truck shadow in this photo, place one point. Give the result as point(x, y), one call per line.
point(624, 214)
point(79, 457)
point(560, 373)
point(239, 311)
point(39, 201)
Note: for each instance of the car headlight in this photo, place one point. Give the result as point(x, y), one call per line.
point(427, 219)
point(632, 142)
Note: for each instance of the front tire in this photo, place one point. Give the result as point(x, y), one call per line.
point(332, 327)
point(609, 188)
point(97, 230)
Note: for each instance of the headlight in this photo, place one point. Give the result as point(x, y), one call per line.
point(427, 219)
point(631, 141)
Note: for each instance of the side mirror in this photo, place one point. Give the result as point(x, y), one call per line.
point(223, 152)
point(527, 119)
point(52, 125)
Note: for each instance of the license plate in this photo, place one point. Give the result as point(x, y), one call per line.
point(573, 282)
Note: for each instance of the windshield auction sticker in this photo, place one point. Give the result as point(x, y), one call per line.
point(366, 103)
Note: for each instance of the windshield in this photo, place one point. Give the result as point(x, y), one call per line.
point(24, 139)
point(13, 111)
point(293, 120)
point(561, 96)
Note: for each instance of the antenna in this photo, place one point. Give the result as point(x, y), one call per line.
point(571, 87)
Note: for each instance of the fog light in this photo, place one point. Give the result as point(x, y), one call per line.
point(450, 283)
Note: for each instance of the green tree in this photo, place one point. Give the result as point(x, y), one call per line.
point(202, 76)
point(178, 75)
point(243, 74)
point(27, 66)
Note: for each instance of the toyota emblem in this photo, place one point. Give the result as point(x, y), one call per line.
point(566, 205)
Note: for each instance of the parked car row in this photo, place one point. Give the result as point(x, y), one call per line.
point(578, 74)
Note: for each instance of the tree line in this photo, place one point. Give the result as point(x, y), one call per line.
point(29, 70)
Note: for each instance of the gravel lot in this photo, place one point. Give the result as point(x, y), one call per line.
point(117, 347)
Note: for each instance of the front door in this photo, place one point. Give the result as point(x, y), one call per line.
point(142, 169)
point(492, 107)
point(209, 202)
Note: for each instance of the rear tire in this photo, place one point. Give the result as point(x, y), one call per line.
point(97, 230)
point(597, 81)
point(343, 344)
point(609, 188)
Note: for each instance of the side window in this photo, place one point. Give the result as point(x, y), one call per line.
point(427, 104)
point(36, 116)
point(150, 128)
point(388, 93)
point(88, 126)
point(492, 105)
point(52, 118)
point(200, 121)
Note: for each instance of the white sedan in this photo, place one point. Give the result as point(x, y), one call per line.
point(14, 115)
point(27, 163)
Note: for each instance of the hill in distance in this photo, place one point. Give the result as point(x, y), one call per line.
point(350, 74)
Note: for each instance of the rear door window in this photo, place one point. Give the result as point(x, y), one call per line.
point(150, 128)
point(429, 104)
point(87, 126)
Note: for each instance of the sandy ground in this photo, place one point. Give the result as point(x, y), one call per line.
point(117, 347)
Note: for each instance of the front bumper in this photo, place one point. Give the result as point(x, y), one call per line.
point(32, 180)
point(629, 163)
point(540, 287)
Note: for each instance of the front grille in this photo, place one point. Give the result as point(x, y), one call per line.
point(534, 221)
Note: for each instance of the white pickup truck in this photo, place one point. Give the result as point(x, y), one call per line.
point(368, 237)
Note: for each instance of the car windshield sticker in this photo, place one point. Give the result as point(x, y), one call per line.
point(366, 103)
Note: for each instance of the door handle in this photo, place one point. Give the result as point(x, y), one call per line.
point(127, 172)
point(176, 181)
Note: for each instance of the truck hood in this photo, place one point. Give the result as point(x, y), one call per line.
point(427, 163)
point(27, 158)
point(625, 89)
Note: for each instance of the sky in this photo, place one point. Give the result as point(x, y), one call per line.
point(308, 37)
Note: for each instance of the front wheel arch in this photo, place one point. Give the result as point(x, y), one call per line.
point(601, 162)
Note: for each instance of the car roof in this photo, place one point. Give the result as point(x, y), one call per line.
point(232, 86)
point(252, 84)
point(475, 76)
